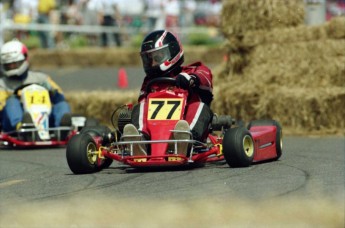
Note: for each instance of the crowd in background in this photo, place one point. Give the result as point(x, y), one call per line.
point(139, 14)
point(335, 8)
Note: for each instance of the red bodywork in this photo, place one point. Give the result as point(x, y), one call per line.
point(12, 141)
point(160, 130)
point(263, 136)
point(265, 142)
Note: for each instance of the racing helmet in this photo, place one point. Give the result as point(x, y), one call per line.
point(14, 59)
point(161, 53)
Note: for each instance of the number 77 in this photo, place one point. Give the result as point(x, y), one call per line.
point(160, 105)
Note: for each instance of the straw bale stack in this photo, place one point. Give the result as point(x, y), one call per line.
point(299, 109)
point(286, 71)
point(100, 57)
point(85, 57)
point(99, 104)
point(239, 17)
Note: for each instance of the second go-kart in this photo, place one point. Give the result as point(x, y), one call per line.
point(36, 132)
point(95, 148)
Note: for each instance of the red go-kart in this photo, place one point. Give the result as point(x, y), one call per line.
point(95, 148)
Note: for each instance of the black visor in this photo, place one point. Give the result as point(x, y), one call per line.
point(13, 66)
point(155, 57)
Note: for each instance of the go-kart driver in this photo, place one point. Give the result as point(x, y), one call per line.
point(15, 72)
point(162, 56)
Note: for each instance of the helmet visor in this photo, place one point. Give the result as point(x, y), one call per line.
point(155, 57)
point(13, 66)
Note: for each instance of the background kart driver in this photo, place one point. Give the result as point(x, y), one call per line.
point(15, 72)
point(162, 56)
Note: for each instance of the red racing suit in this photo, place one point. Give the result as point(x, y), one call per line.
point(198, 113)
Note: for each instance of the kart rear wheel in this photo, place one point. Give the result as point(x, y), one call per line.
point(279, 134)
point(96, 130)
point(238, 147)
point(91, 122)
point(81, 154)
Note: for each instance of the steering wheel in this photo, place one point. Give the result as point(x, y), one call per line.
point(16, 90)
point(161, 80)
point(164, 80)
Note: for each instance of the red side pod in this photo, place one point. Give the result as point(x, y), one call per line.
point(265, 142)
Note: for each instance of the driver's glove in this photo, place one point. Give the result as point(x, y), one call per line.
point(45, 85)
point(50, 89)
point(184, 81)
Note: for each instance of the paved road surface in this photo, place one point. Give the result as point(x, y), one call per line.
point(105, 78)
point(305, 188)
point(310, 174)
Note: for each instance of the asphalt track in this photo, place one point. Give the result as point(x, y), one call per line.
point(105, 78)
point(311, 169)
point(305, 188)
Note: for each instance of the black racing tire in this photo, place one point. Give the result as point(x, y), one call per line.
point(104, 132)
point(96, 130)
point(91, 122)
point(79, 154)
point(238, 147)
point(279, 134)
point(106, 163)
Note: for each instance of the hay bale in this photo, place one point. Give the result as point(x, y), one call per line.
point(269, 43)
point(306, 64)
point(99, 104)
point(336, 28)
point(239, 17)
point(100, 57)
point(282, 70)
point(303, 109)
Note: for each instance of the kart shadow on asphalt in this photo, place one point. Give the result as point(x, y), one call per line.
point(31, 148)
point(129, 169)
point(217, 164)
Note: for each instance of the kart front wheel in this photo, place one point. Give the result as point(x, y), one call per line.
point(81, 154)
point(238, 147)
point(104, 132)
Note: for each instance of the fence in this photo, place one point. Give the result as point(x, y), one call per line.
point(9, 25)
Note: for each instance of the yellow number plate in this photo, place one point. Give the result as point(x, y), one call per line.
point(165, 109)
point(37, 98)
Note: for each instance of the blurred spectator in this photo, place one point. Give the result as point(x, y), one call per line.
point(88, 9)
point(45, 7)
point(2, 18)
point(214, 13)
point(187, 15)
point(131, 17)
point(24, 11)
point(109, 16)
point(71, 14)
point(153, 11)
point(172, 14)
point(335, 8)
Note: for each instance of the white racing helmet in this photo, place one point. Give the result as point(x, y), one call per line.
point(14, 58)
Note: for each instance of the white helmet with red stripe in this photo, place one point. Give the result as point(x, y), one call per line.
point(14, 58)
point(161, 53)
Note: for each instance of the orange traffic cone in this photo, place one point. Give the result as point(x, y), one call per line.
point(225, 58)
point(122, 79)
